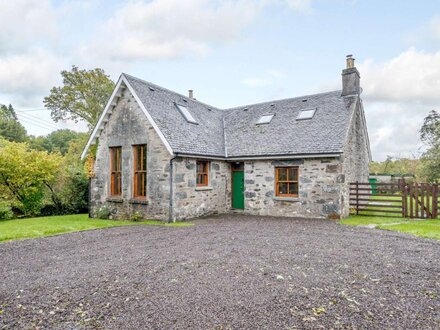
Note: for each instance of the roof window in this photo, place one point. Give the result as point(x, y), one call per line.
point(186, 114)
point(306, 114)
point(265, 119)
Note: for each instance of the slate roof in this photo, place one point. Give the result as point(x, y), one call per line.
point(234, 133)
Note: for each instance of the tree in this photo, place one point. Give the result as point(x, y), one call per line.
point(56, 141)
point(83, 96)
point(430, 134)
point(25, 173)
point(10, 128)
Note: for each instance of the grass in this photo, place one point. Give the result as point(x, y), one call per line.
point(422, 228)
point(48, 226)
point(359, 220)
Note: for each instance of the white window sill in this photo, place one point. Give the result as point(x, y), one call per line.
point(203, 188)
point(286, 199)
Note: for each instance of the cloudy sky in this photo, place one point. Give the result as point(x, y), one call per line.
point(232, 53)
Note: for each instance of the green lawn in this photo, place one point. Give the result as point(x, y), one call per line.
point(359, 220)
point(422, 228)
point(48, 226)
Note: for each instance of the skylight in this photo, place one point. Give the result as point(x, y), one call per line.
point(186, 114)
point(306, 114)
point(265, 119)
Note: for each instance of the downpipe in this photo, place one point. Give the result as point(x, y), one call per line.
point(171, 207)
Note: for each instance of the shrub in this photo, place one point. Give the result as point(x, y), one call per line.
point(103, 212)
point(5, 211)
point(136, 216)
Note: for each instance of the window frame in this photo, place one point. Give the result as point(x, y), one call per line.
point(115, 173)
point(277, 181)
point(137, 172)
point(204, 174)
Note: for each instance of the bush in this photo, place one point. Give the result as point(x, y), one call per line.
point(5, 211)
point(103, 212)
point(136, 216)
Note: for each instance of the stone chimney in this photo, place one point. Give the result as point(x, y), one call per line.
point(350, 78)
point(190, 94)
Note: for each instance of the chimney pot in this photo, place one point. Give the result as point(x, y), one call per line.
point(191, 94)
point(350, 61)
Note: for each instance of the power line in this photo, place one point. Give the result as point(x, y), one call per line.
point(31, 110)
point(34, 124)
point(38, 120)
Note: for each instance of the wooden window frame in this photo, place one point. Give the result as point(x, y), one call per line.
point(277, 181)
point(137, 172)
point(205, 174)
point(115, 173)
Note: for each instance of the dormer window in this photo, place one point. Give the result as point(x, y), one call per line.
point(186, 114)
point(306, 114)
point(265, 119)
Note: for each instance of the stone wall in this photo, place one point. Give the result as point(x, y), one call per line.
point(319, 189)
point(356, 156)
point(191, 201)
point(126, 127)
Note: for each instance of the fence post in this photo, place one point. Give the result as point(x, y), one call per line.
point(404, 201)
point(434, 201)
point(357, 197)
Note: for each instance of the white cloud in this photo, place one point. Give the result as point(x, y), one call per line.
point(24, 21)
point(398, 94)
point(413, 76)
point(270, 77)
point(29, 73)
point(171, 28)
point(302, 6)
point(256, 82)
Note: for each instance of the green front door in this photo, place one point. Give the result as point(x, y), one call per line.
point(238, 189)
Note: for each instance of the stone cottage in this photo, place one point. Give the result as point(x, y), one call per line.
point(162, 155)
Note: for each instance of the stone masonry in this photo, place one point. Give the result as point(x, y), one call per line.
point(191, 201)
point(126, 127)
point(319, 189)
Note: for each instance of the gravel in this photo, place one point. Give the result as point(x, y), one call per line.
point(226, 272)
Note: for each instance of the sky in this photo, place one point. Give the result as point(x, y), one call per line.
point(232, 53)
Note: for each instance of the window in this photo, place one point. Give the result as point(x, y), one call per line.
point(115, 171)
point(286, 181)
point(202, 173)
point(306, 114)
point(186, 114)
point(140, 171)
point(265, 119)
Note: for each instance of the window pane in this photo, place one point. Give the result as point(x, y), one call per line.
point(144, 157)
point(282, 188)
point(282, 174)
point(293, 188)
point(293, 174)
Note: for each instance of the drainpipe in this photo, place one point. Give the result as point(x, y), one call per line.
point(171, 211)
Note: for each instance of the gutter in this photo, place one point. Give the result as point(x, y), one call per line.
point(268, 157)
point(171, 207)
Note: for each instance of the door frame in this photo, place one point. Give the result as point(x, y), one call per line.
point(232, 182)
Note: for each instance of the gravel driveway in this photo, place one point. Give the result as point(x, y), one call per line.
point(226, 272)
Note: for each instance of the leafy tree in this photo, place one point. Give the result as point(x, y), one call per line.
point(398, 166)
point(24, 174)
point(70, 191)
point(82, 97)
point(10, 128)
point(56, 141)
point(430, 134)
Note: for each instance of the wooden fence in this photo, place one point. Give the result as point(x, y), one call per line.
point(408, 200)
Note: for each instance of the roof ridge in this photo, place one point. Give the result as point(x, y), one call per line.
point(170, 91)
point(279, 100)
